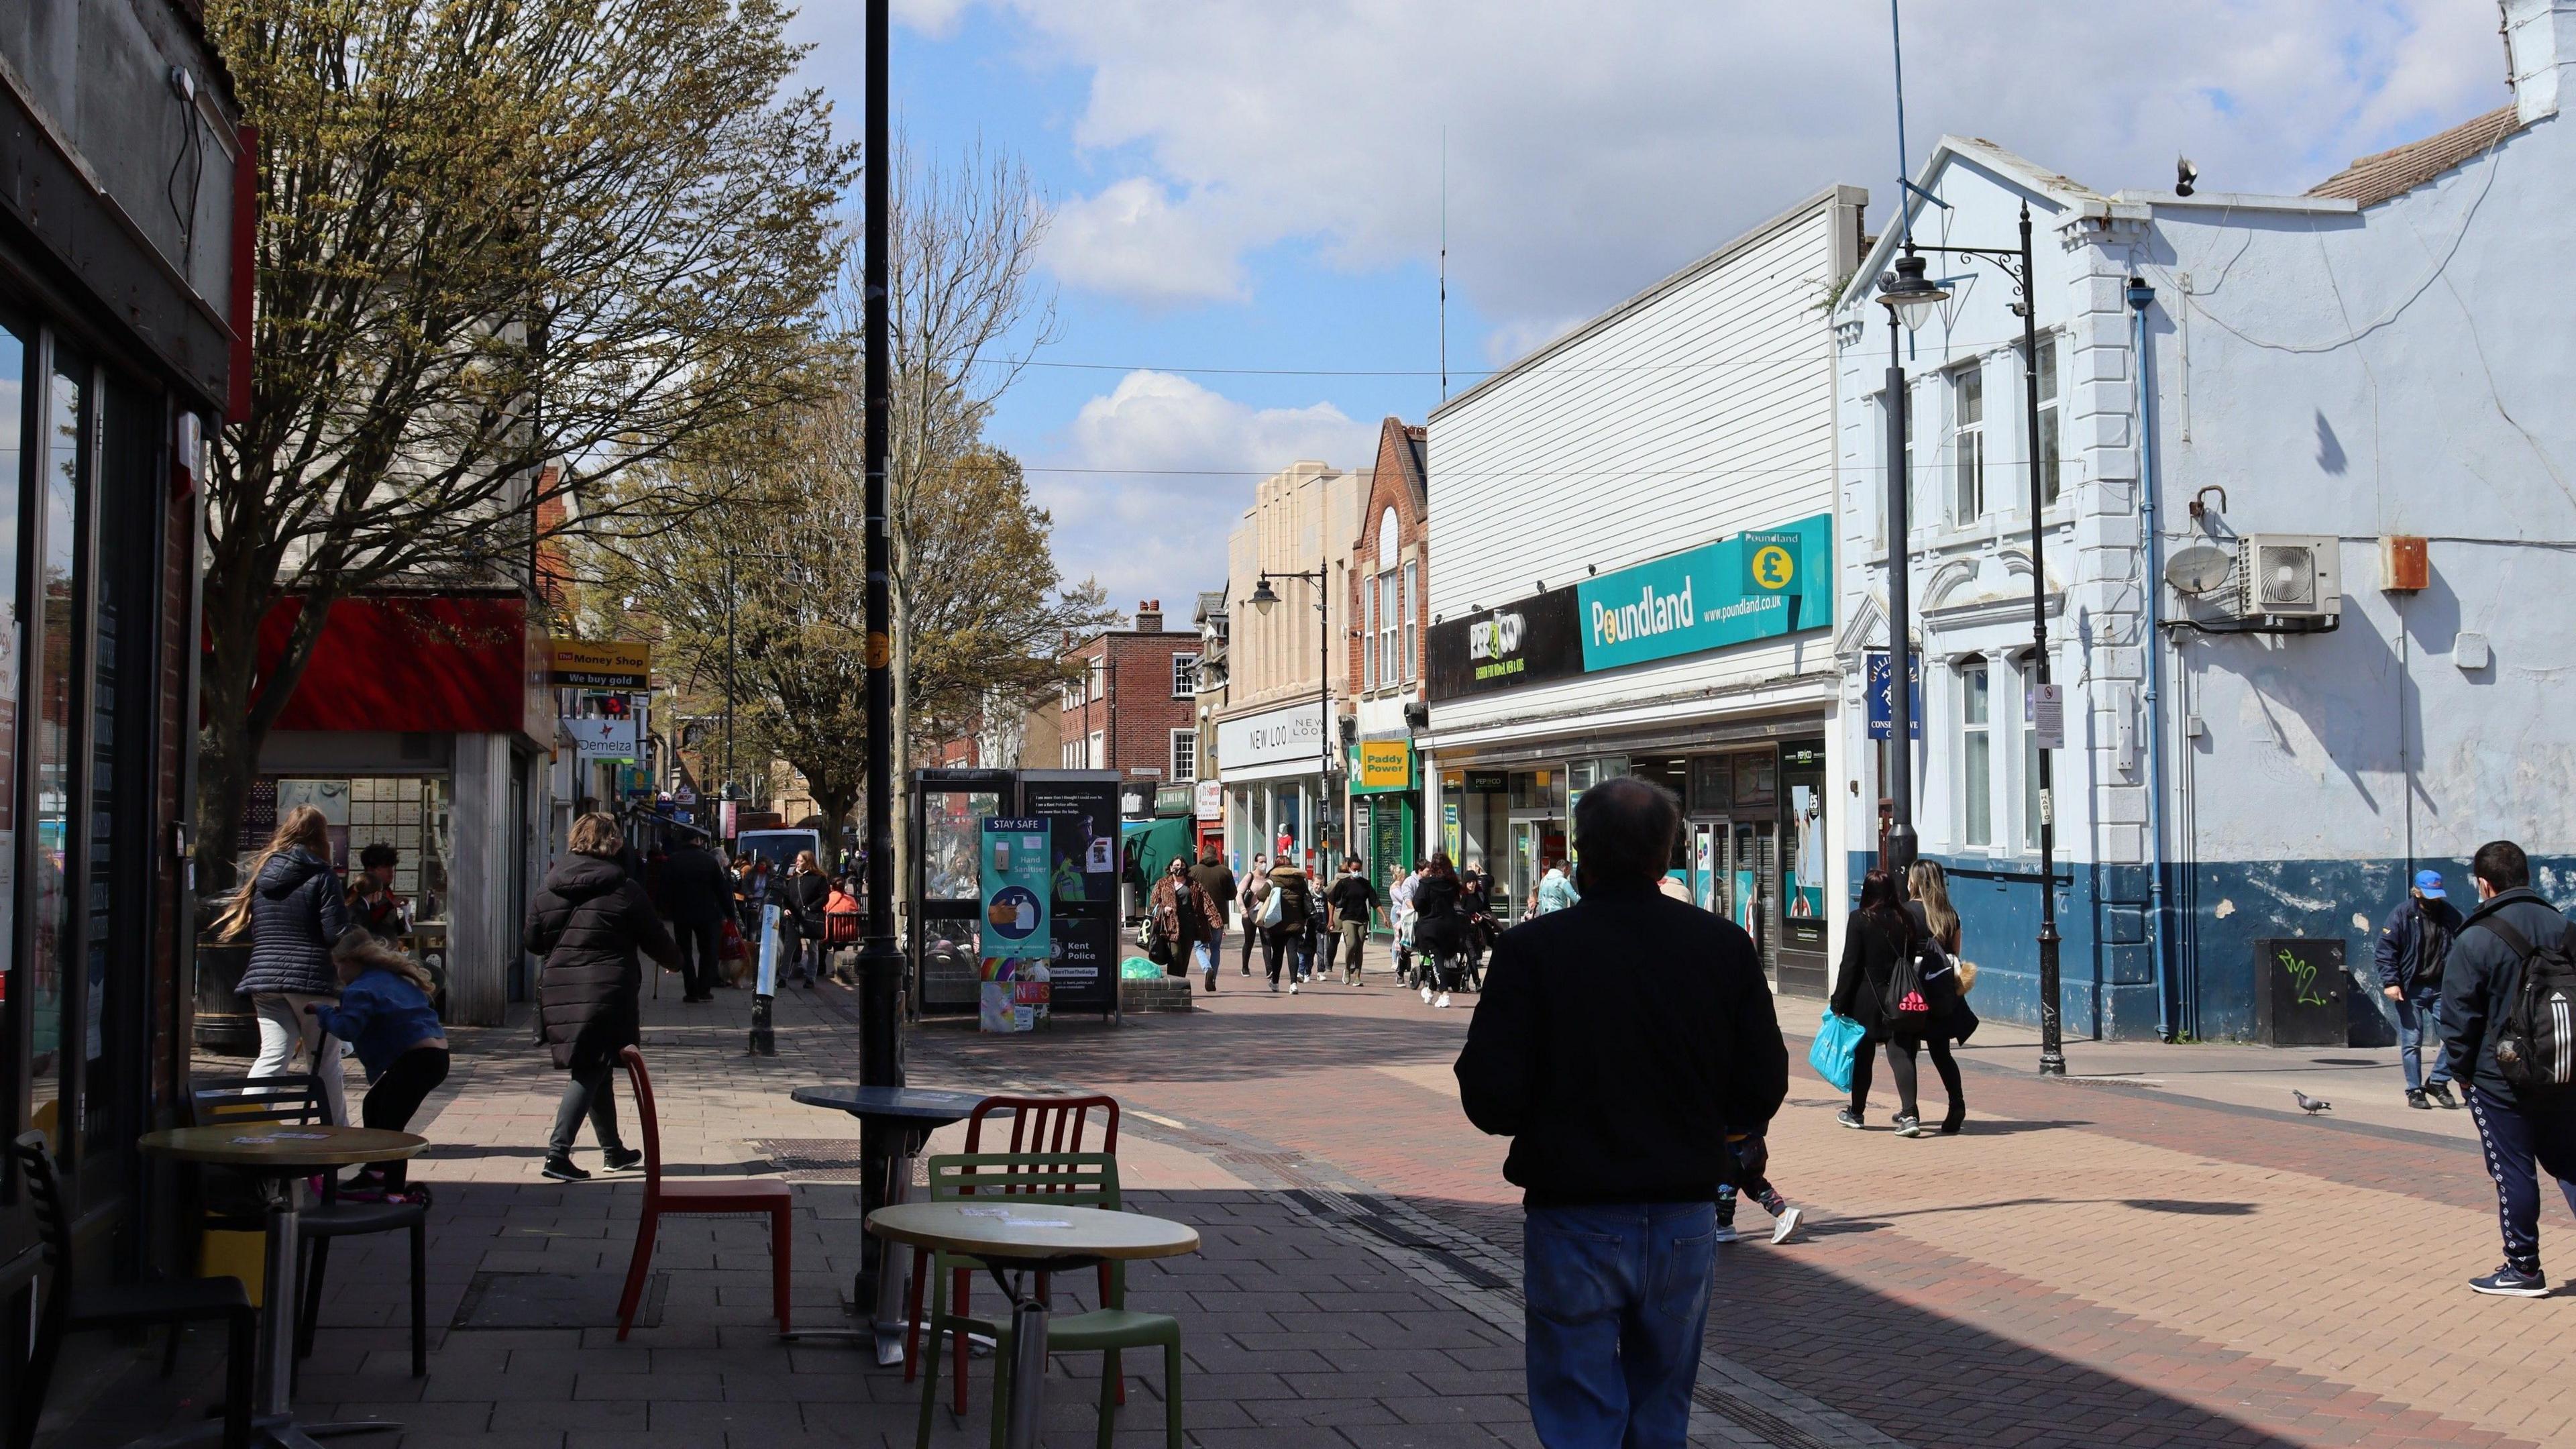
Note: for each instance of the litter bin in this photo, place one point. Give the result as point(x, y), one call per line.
point(2300, 987)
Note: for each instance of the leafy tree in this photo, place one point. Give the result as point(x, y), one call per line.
point(508, 252)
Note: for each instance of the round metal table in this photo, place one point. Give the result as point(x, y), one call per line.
point(1027, 1236)
point(281, 1156)
point(910, 1115)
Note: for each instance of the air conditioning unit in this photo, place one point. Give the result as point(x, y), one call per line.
point(2288, 576)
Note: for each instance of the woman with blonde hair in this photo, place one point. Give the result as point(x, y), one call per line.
point(1953, 1020)
point(291, 907)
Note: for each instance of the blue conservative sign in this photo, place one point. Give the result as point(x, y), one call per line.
point(1753, 586)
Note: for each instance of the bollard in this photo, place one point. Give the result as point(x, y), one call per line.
point(764, 1042)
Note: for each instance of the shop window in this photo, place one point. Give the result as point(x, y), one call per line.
point(1368, 632)
point(63, 435)
point(2029, 756)
point(1412, 609)
point(1967, 445)
point(14, 338)
point(1712, 784)
point(1389, 627)
point(2051, 439)
point(1976, 754)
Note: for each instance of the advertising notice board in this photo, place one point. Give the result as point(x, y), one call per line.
point(1081, 819)
point(1013, 937)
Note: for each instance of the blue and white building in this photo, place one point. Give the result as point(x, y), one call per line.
point(2308, 524)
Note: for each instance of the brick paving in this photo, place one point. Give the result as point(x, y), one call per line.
point(2089, 1265)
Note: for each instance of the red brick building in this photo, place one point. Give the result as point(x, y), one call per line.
point(1390, 585)
point(1133, 708)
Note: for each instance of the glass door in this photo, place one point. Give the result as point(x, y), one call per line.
point(1707, 860)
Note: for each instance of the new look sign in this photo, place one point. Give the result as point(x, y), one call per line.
point(1752, 586)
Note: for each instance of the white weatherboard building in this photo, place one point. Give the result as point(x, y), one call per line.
point(1632, 549)
point(2313, 636)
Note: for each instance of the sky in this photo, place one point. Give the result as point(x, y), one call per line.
point(1246, 197)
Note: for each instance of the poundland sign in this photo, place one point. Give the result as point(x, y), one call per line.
point(1752, 586)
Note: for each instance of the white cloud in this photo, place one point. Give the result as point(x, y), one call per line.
point(1595, 147)
point(1160, 468)
point(1130, 240)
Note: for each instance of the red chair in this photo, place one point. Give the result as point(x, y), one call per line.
point(1038, 1124)
point(697, 1195)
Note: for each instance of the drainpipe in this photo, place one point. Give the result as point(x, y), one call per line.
point(2141, 296)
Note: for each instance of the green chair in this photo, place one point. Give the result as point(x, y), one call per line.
point(1065, 1179)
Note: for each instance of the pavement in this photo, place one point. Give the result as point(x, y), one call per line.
point(2159, 1250)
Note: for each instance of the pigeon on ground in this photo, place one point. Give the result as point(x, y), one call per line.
point(2311, 1105)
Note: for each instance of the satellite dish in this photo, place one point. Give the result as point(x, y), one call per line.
point(2200, 569)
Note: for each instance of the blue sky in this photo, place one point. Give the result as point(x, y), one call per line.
point(1255, 184)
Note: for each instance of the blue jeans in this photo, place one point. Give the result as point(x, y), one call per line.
point(2419, 1018)
point(1617, 1304)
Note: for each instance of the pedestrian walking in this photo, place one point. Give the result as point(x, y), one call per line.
point(841, 927)
point(698, 893)
point(2414, 945)
point(1218, 891)
point(1439, 928)
point(2505, 1002)
point(384, 1012)
point(1284, 911)
point(292, 908)
point(1399, 899)
point(1752, 1161)
point(1178, 916)
point(1256, 890)
point(1555, 889)
point(1618, 1044)
point(1951, 975)
point(590, 923)
point(1881, 935)
point(801, 897)
point(1353, 905)
point(1476, 904)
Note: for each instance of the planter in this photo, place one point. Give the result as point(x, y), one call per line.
point(225, 1025)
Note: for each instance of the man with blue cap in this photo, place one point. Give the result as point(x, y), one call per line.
point(2413, 944)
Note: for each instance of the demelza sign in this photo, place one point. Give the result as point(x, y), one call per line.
point(1751, 586)
point(1291, 734)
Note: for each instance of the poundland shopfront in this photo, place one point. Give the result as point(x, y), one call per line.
point(1707, 671)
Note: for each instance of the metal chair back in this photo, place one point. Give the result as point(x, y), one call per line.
point(1046, 1125)
point(1072, 1179)
point(291, 1099)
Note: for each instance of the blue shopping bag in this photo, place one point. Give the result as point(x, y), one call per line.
point(1837, 1039)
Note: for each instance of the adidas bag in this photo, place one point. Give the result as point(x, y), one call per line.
point(2535, 1043)
point(1908, 1004)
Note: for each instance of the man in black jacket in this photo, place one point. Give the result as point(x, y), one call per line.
point(697, 891)
point(2414, 942)
point(1217, 883)
point(2517, 1130)
point(1617, 1044)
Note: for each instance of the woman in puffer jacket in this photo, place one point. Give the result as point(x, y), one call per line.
point(291, 907)
point(590, 923)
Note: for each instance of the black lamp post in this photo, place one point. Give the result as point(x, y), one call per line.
point(1909, 298)
point(1265, 598)
point(1911, 293)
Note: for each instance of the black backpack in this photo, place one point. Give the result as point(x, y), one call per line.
point(2535, 1043)
point(1908, 1002)
point(2434, 952)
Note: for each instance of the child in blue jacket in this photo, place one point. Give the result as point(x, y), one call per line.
point(384, 1012)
